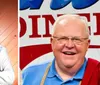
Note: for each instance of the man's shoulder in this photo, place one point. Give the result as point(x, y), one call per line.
point(92, 72)
point(93, 61)
point(93, 64)
point(35, 69)
point(34, 73)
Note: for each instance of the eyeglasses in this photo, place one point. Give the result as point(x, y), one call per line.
point(64, 39)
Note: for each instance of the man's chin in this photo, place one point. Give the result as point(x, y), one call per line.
point(69, 65)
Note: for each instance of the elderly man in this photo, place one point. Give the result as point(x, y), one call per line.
point(6, 70)
point(70, 42)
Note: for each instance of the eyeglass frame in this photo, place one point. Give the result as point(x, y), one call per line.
point(66, 38)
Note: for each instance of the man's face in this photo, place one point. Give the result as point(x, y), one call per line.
point(70, 53)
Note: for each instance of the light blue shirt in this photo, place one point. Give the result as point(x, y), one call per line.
point(33, 75)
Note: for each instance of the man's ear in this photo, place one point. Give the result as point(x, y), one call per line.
point(89, 41)
point(51, 40)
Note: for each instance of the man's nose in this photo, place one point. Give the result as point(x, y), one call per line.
point(69, 43)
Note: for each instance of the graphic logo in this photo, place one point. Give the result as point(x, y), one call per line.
point(56, 4)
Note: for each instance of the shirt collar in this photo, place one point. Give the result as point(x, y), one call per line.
point(79, 75)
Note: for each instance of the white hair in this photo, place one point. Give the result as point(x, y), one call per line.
point(74, 16)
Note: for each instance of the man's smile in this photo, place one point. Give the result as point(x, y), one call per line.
point(69, 53)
